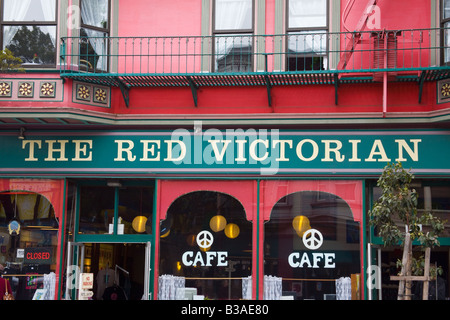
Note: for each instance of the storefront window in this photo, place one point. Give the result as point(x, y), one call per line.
point(98, 205)
point(96, 209)
point(312, 246)
point(206, 247)
point(28, 243)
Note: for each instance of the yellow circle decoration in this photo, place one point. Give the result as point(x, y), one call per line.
point(300, 225)
point(232, 230)
point(138, 223)
point(217, 223)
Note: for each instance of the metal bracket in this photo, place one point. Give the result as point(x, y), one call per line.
point(336, 86)
point(421, 81)
point(269, 87)
point(194, 89)
point(125, 91)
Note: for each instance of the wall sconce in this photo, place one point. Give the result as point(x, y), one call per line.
point(21, 134)
point(114, 183)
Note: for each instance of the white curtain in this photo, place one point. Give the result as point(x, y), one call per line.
point(272, 288)
point(13, 11)
point(232, 15)
point(49, 285)
point(93, 14)
point(171, 287)
point(308, 42)
point(247, 288)
point(307, 13)
point(344, 288)
point(48, 8)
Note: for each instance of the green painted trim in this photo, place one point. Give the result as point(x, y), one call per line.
point(364, 238)
point(155, 237)
point(63, 242)
point(258, 195)
point(113, 238)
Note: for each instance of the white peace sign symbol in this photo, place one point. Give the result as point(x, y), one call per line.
point(312, 239)
point(205, 239)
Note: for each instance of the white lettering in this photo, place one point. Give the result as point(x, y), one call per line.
point(314, 153)
point(403, 145)
point(82, 150)
point(61, 150)
point(378, 149)
point(31, 143)
point(121, 149)
point(328, 150)
point(150, 150)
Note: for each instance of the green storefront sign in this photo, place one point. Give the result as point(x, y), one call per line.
point(266, 152)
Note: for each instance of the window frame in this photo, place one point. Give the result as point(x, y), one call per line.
point(106, 31)
point(224, 32)
point(442, 22)
point(31, 23)
point(293, 30)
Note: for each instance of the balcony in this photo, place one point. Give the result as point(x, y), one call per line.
point(413, 55)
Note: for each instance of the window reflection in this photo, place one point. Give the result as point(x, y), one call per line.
point(29, 31)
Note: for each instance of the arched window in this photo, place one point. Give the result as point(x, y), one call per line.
point(206, 241)
point(312, 240)
point(29, 242)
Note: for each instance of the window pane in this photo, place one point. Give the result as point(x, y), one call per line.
point(95, 13)
point(311, 240)
point(233, 15)
point(96, 209)
point(33, 44)
point(307, 13)
point(446, 9)
point(233, 53)
point(136, 209)
point(29, 10)
point(94, 49)
point(306, 51)
point(447, 42)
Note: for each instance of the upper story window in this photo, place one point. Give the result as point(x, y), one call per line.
point(233, 31)
point(307, 35)
point(445, 24)
point(28, 29)
point(95, 24)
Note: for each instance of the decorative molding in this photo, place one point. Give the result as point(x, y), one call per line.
point(26, 89)
point(21, 89)
point(87, 93)
point(443, 91)
point(5, 89)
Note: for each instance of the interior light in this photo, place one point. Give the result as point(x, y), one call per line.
point(217, 223)
point(232, 230)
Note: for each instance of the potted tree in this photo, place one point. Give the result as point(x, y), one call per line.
point(398, 222)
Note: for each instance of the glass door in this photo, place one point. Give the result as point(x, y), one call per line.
point(115, 271)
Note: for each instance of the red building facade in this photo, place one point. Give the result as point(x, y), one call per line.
point(220, 149)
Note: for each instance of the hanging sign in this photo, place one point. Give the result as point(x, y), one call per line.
point(38, 255)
